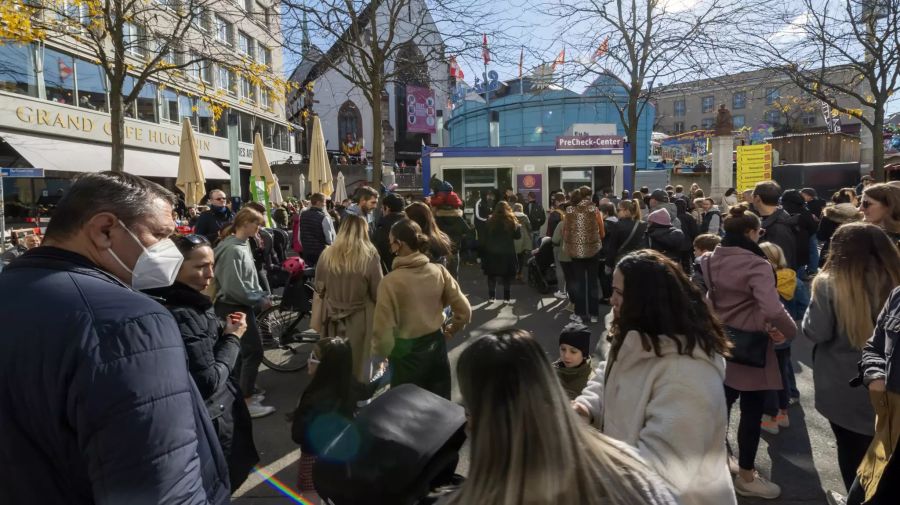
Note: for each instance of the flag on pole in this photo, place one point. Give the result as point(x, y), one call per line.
point(455, 70)
point(65, 71)
point(603, 49)
point(521, 60)
point(485, 53)
point(560, 60)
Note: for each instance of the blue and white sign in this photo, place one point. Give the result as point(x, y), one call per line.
point(22, 172)
point(491, 82)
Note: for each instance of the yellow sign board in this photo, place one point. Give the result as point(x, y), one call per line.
point(754, 164)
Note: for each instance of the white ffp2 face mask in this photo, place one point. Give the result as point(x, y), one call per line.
point(156, 267)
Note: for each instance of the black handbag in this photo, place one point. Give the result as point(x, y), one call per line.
point(750, 348)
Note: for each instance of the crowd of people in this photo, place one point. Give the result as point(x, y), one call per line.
point(142, 386)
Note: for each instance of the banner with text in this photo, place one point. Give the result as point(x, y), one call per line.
point(570, 142)
point(420, 110)
point(754, 164)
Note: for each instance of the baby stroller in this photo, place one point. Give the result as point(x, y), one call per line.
point(541, 274)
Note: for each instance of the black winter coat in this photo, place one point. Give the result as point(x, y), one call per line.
point(381, 239)
point(210, 223)
point(667, 240)
point(96, 402)
point(211, 356)
point(499, 250)
point(780, 231)
point(452, 222)
point(617, 244)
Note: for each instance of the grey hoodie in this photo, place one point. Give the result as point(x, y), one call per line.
point(235, 272)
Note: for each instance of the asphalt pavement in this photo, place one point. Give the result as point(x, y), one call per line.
point(802, 458)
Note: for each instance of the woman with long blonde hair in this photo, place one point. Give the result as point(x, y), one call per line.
point(527, 444)
point(847, 295)
point(347, 277)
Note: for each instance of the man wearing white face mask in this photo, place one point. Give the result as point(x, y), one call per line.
point(96, 402)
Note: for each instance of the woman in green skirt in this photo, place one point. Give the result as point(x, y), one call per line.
point(409, 325)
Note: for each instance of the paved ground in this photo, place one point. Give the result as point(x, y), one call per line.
point(802, 459)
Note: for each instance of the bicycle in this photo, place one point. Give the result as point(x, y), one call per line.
point(287, 343)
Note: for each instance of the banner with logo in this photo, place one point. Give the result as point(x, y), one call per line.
point(529, 183)
point(421, 116)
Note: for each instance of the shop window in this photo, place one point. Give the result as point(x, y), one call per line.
point(708, 103)
point(144, 106)
point(739, 100)
point(59, 77)
point(222, 125)
point(205, 119)
point(18, 73)
point(738, 121)
point(280, 140)
point(268, 133)
point(168, 106)
point(92, 89)
point(246, 127)
point(679, 108)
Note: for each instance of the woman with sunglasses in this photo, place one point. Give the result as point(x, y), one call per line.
point(212, 351)
point(880, 206)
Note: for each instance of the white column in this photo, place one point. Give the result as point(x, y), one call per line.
point(722, 156)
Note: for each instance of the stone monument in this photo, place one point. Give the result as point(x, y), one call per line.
point(722, 154)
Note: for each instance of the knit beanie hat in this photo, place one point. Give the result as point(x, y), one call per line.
point(577, 336)
point(660, 217)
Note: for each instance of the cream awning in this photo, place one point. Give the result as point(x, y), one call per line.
point(52, 153)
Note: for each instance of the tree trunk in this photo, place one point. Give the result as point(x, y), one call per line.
point(878, 145)
point(377, 137)
point(117, 127)
point(631, 130)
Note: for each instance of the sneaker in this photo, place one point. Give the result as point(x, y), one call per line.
point(835, 498)
point(257, 398)
point(575, 319)
point(782, 419)
point(795, 400)
point(511, 301)
point(492, 300)
point(594, 319)
point(258, 392)
point(769, 425)
point(758, 487)
point(561, 295)
point(733, 466)
point(570, 307)
point(259, 410)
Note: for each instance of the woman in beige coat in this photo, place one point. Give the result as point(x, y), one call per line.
point(347, 277)
point(409, 314)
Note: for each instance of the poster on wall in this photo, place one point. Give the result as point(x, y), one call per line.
point(421, 115)
point(529, 183)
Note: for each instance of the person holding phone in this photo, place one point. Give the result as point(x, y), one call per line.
point(212, 349)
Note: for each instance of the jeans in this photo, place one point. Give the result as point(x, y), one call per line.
point(851, 448)
point(251, 347)
point(813, 267)
point(585, 287)
point(752, 403)
point(560, 273)
point(492, 286)
point(536, 239)
point(797, 306)
point(776, 400)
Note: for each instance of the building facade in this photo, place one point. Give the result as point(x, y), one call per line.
point(760, 97)
point(537, 117)
point(54, 102)
point(420, 73)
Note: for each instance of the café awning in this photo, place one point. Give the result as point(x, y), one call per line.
point(62, 155)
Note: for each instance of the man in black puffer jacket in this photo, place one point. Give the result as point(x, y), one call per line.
point(96, 403)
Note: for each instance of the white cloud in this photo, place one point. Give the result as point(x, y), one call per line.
point(793, 30)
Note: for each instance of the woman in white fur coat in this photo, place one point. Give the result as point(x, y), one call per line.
point(661, 388)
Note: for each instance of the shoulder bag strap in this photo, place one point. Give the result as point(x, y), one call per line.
point(630, 235)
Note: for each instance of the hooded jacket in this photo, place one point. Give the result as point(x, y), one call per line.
point(667, 240)
point(832, 217)
point(452, 222)
point(652, 403)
